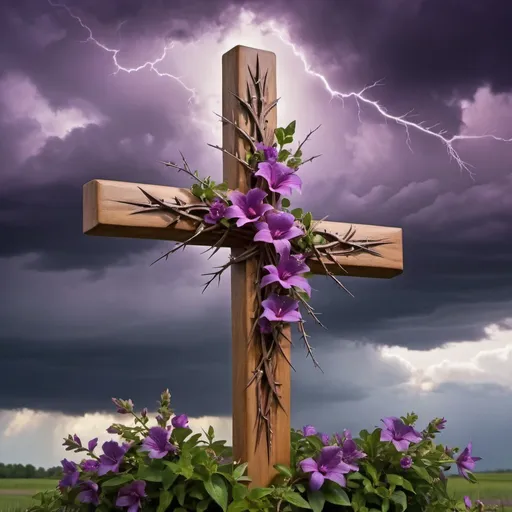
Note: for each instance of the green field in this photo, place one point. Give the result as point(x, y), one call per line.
point(492, 489)
point(16, 493)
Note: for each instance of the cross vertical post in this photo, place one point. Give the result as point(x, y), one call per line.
point(236, 78)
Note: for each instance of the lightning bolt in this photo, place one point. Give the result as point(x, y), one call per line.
point(115, 52)
point(360, 97)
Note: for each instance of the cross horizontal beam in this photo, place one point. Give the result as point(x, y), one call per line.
point(107, 212)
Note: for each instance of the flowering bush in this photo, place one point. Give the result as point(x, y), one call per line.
point(167, 467)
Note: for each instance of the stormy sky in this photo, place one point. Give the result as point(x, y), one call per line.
point(84, 319)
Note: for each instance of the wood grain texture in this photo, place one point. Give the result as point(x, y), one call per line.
point(235, 77)
point(103, 215)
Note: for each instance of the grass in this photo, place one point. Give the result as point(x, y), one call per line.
point(492, 489)
point(16, 493)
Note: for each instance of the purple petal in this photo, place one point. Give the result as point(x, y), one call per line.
point(265, 171)
point(238, 199)
point(412, 436)
point(264, 235)
point(292, 316)
point(268, 279)
point(293, 232)
point(401, 445)
point(316, 481)
point(339, 478)
point(287, 184)
point(300, 282)
point(281, 245)
point(92, 444)
point(255, 196)
point(308, 465)
point(386, 435)
point(234, 212)
point(390, 422)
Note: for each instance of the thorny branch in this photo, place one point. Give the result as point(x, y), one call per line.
point(333, 245)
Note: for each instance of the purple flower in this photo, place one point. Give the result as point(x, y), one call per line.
point(92, 444)
point(112, 457)
point(123, 406)
point(217, 211)
point(265, 326)
point(467, 502)
point(71, 474)
point(287, 272)
point(278, 229)
point(309, 430)
point(77, 440)
point(440, 424)
point(351, 453)
point(270, 152)
point(400, 434)
point(180, 421)
point(406, 462)
point(280, 308)
point(113, 430)
point(90, 465)
point(89, 493)
point(466, 462)
point(329, 465)
point(247, 207)
point(131, 495)
point(144, 412)
point(325, 438)
point(157, 443)
point(280, 178)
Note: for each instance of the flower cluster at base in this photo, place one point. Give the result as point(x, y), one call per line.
point(166, 467)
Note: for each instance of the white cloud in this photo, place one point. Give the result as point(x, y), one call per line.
point(21, 100)
point(487, 361)
point(46, 431)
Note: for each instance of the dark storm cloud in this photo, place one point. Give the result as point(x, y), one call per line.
point(457, 278)
point(78, 376)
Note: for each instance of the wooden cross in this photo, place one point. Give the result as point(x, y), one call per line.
point(107, 212)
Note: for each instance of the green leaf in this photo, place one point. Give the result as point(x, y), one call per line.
point(385, 505)
point(316, 500)
point(285, 202)
point(295, 499)
point(290, 129)
point(297, 213)
point(168, 478)
point(164, 501)
point(117, 480)
point(280, 135)
point(336, 495)
point(179, 492)
point(283, 155)
point(288, 139)
point(240, 492)
point(239, 471)
point(180, 434)
point(284, 470)
point(294, 162)
point(307, 220)
point(372, 472)
point(259, 492)
point(239, 506)
point(202, 506)
point(422, 473)
point(216, 487)
point(395, 479)
point(408, 486)
point(400, 499)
